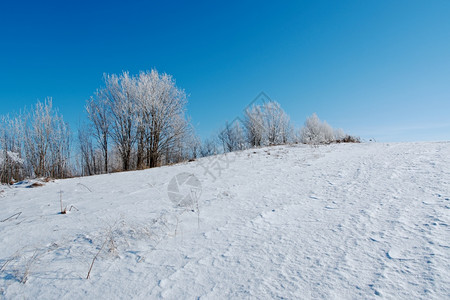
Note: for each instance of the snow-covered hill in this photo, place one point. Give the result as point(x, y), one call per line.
point(340, 221)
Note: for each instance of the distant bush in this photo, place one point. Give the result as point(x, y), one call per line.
point(262, 125)
point(316, 132)
point(349, 139)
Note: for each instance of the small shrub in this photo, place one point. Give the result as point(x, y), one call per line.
point(351, 139)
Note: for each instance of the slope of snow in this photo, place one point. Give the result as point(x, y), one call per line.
point(339, 221)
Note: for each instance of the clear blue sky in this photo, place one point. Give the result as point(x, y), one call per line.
point(377, 69)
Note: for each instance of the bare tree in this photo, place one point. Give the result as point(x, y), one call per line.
point(317, 132)
point(328, 133)
point(162, 107)
point(254, 126)
point(267, 124)
point(60, 140)
point(11, 161)
point(146, 111)
point(120, 93)
point(339, 134)
point(311, 132)
point(208, 147)
point(277, 124)
point(194, 144)
point(99, 114)
point(232, 137)
point(189, 146)
point(47, 142)
point(37, 137)
point(89, 165)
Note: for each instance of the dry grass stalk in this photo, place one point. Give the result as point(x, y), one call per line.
point(16, 215)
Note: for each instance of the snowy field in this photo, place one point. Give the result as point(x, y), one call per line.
point(348, 221)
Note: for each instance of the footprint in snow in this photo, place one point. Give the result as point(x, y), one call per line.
point(399, 253)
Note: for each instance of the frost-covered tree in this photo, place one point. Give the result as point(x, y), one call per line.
point(121, 96)
point(232, 137)
point(11, 141)
point(254, 126)
point(99, 115)
point(339, 134)
point(317, 132)
point(209, 147)
point(312, 132)
point(267, 124)
point(47, 142)
point(193, 144)
point(90, 163)
point(162, 115)
point(60, 148)
point(328, 133)
point(145, 117)
point(277, 124)
point(36, 144)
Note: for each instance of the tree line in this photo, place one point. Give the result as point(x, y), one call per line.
point(35, 144)
point(136, 122)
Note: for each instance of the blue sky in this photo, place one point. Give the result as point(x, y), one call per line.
point(378, 69)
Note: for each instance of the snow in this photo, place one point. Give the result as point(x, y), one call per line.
point(340, 221)
point(12, 156)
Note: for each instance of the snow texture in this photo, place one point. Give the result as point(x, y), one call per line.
point(347, 221)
